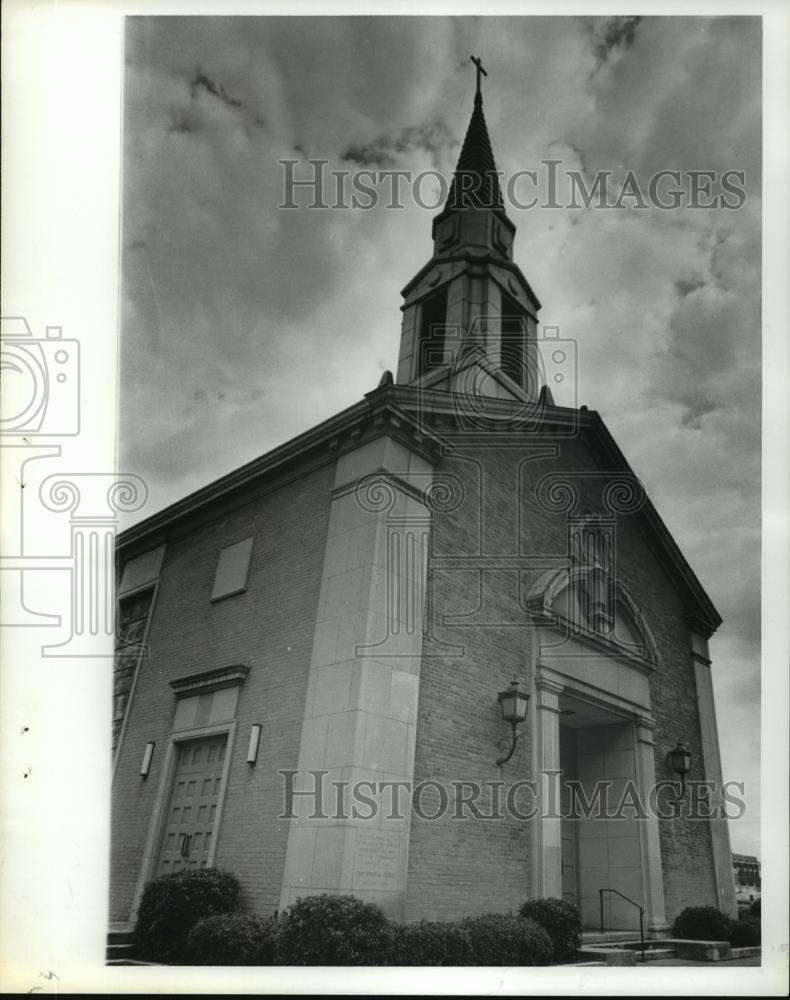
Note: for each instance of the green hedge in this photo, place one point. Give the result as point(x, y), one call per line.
point(173, 903)
point(561, 921)
point(745, 932)
point(333, 930)
point(706, 923)
point(193, 918)
point(232, 939)
point(702, 923)
point(430, 942)
point(489, 939)
point(504, 939)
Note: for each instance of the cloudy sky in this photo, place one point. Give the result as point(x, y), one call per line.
point(244, 324)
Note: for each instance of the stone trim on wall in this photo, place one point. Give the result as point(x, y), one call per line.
point(719, 830)
point(361, 707)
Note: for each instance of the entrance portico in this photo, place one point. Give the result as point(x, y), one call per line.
point(593, 746)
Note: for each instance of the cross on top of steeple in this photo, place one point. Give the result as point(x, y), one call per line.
point(479, 64)
point(475, 182)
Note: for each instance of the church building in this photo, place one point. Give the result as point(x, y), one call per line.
point(395, 656)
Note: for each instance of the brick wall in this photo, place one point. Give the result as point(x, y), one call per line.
point(459, 867)
point(268, 628)
point(456, 866)
point(466, 866)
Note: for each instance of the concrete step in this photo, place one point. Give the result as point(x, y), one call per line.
point(753, 951)
point(120, 932)
point(120, 943)
point(129, 961)
point(627, 951)
point(596, 937)
point(116, 951)
point(653, 954)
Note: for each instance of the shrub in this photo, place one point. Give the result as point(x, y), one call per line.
point(744, 932)
point(756, 909)
point(232, 939)
point(333, 930)
point(504, 939)
point(702, 923)
point(172, 903)
point(430, 942)
point(561, 921)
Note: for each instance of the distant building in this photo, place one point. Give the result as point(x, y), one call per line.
point(353, 602)
point(746, 871)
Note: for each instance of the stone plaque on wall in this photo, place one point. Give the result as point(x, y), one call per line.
point(376, 861)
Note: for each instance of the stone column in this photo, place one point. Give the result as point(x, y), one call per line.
point(361, 707)
point(652, 872)
point(719, 831)
point(547, 880)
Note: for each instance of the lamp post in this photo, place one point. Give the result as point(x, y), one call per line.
point(513, 704)
point(680, 760)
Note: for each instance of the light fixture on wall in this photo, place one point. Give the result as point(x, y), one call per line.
point(252, 748)
point(513, 704)
point(680, 760)
point(148, 753)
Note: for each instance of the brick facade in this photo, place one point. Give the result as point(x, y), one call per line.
point(456, 866)
point(459, 867)
point(269, 628)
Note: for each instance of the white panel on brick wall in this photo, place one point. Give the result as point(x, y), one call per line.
point(142, 569)
point(232, 568)
point(206, 709)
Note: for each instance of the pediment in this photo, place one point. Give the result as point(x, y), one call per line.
point(559, 597)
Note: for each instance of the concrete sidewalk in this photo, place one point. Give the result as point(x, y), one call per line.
point(730, 962)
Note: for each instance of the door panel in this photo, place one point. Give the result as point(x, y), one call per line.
point(191, 814)
point(569, 848)
point(569, 853)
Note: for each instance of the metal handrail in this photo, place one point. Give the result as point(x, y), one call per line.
point(641, 915)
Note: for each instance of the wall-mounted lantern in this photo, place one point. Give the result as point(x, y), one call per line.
point(680, 761)
point(513, 704)
point(252, 748)
point(148, 753)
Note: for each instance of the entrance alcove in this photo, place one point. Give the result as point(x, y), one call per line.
point(598, 755)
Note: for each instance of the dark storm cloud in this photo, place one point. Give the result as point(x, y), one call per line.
point(609, 33)
point(432, 137)
point(201, 81)
point(685, 287)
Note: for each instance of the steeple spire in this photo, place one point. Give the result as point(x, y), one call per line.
point(475, 183)
point(470, 313)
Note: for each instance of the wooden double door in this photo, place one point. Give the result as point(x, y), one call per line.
point(192, 810)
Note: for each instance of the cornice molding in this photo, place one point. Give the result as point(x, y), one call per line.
point(377, 414)
point(209, 680)
point(472, 259)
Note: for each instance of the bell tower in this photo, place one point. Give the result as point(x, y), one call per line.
point(470, 307)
